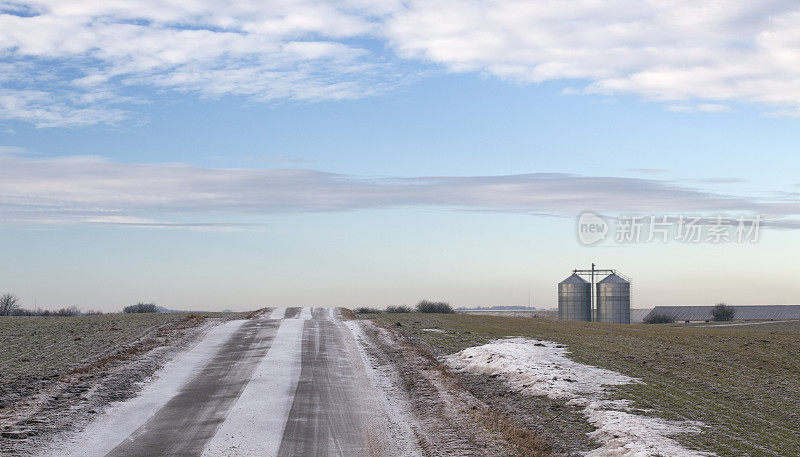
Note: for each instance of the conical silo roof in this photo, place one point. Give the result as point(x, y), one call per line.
point(613, 279)
point(574, 279)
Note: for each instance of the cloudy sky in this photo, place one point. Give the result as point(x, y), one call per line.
point(377, 152)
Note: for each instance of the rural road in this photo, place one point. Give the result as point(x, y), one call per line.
point(290, 383)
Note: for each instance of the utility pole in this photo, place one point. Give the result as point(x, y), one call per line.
point(592, 297)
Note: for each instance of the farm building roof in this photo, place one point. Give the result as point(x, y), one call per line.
point(745, 312)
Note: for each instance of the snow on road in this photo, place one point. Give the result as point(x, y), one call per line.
point(542, 368)
point(278, 313)
point(397, 417)
point(122, 419)
point(254, 426)
point(287, 384)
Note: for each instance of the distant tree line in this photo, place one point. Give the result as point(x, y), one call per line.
point(399, 309)
point(424, 306)
point(659, 319)
point(498, 308)
point(9, 306)
point(721, 312)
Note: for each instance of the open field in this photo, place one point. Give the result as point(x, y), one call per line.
point(42, 347)
point(106, 385)
point(741, 381)
point(50, 366)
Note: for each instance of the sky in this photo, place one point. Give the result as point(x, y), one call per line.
point(381, 152)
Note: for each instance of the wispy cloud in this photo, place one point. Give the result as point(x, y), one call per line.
point(71, 63)
point(705, 53)
point(648, 171)
point(80, 62)
point(72, 190)
point(719, 180)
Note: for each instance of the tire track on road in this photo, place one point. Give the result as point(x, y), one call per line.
point(184, 425)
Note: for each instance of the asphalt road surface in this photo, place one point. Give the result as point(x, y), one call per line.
point(291, 383)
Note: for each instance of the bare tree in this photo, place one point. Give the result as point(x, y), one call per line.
point(8, 303)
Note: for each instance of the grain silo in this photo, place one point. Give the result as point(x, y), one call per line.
point(613, 300)
point(575, 299)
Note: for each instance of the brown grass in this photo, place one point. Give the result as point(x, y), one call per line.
point(347, 313)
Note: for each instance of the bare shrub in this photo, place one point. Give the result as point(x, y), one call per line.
point(140, 308)
point(68, 311)
point(399, 309)
point(722, 312)
point(366, 310)
point(8, 304)
point(659, 319)
point(426, 306)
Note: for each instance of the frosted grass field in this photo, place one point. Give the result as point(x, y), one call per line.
point(739, 381)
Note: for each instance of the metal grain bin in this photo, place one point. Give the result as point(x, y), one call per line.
point(575, 299)
point(614, 300)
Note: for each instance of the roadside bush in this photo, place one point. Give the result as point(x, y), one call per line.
point(366, 310)
point(8, 304)
point(399, 309)
point(659, 319)
point(722, 312)
point(140, 308)
point(426, 306)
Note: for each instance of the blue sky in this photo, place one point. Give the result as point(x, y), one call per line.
point(312, 153)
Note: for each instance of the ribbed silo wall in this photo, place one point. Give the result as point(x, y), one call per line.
point(614, 302)
point(574, 300)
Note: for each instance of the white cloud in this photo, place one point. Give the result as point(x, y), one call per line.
point(746, 51)
point(79, 62)
point(300, 49)
point(93, 190)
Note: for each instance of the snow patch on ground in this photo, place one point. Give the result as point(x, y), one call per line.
point(433, 330)
point(542, 368)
